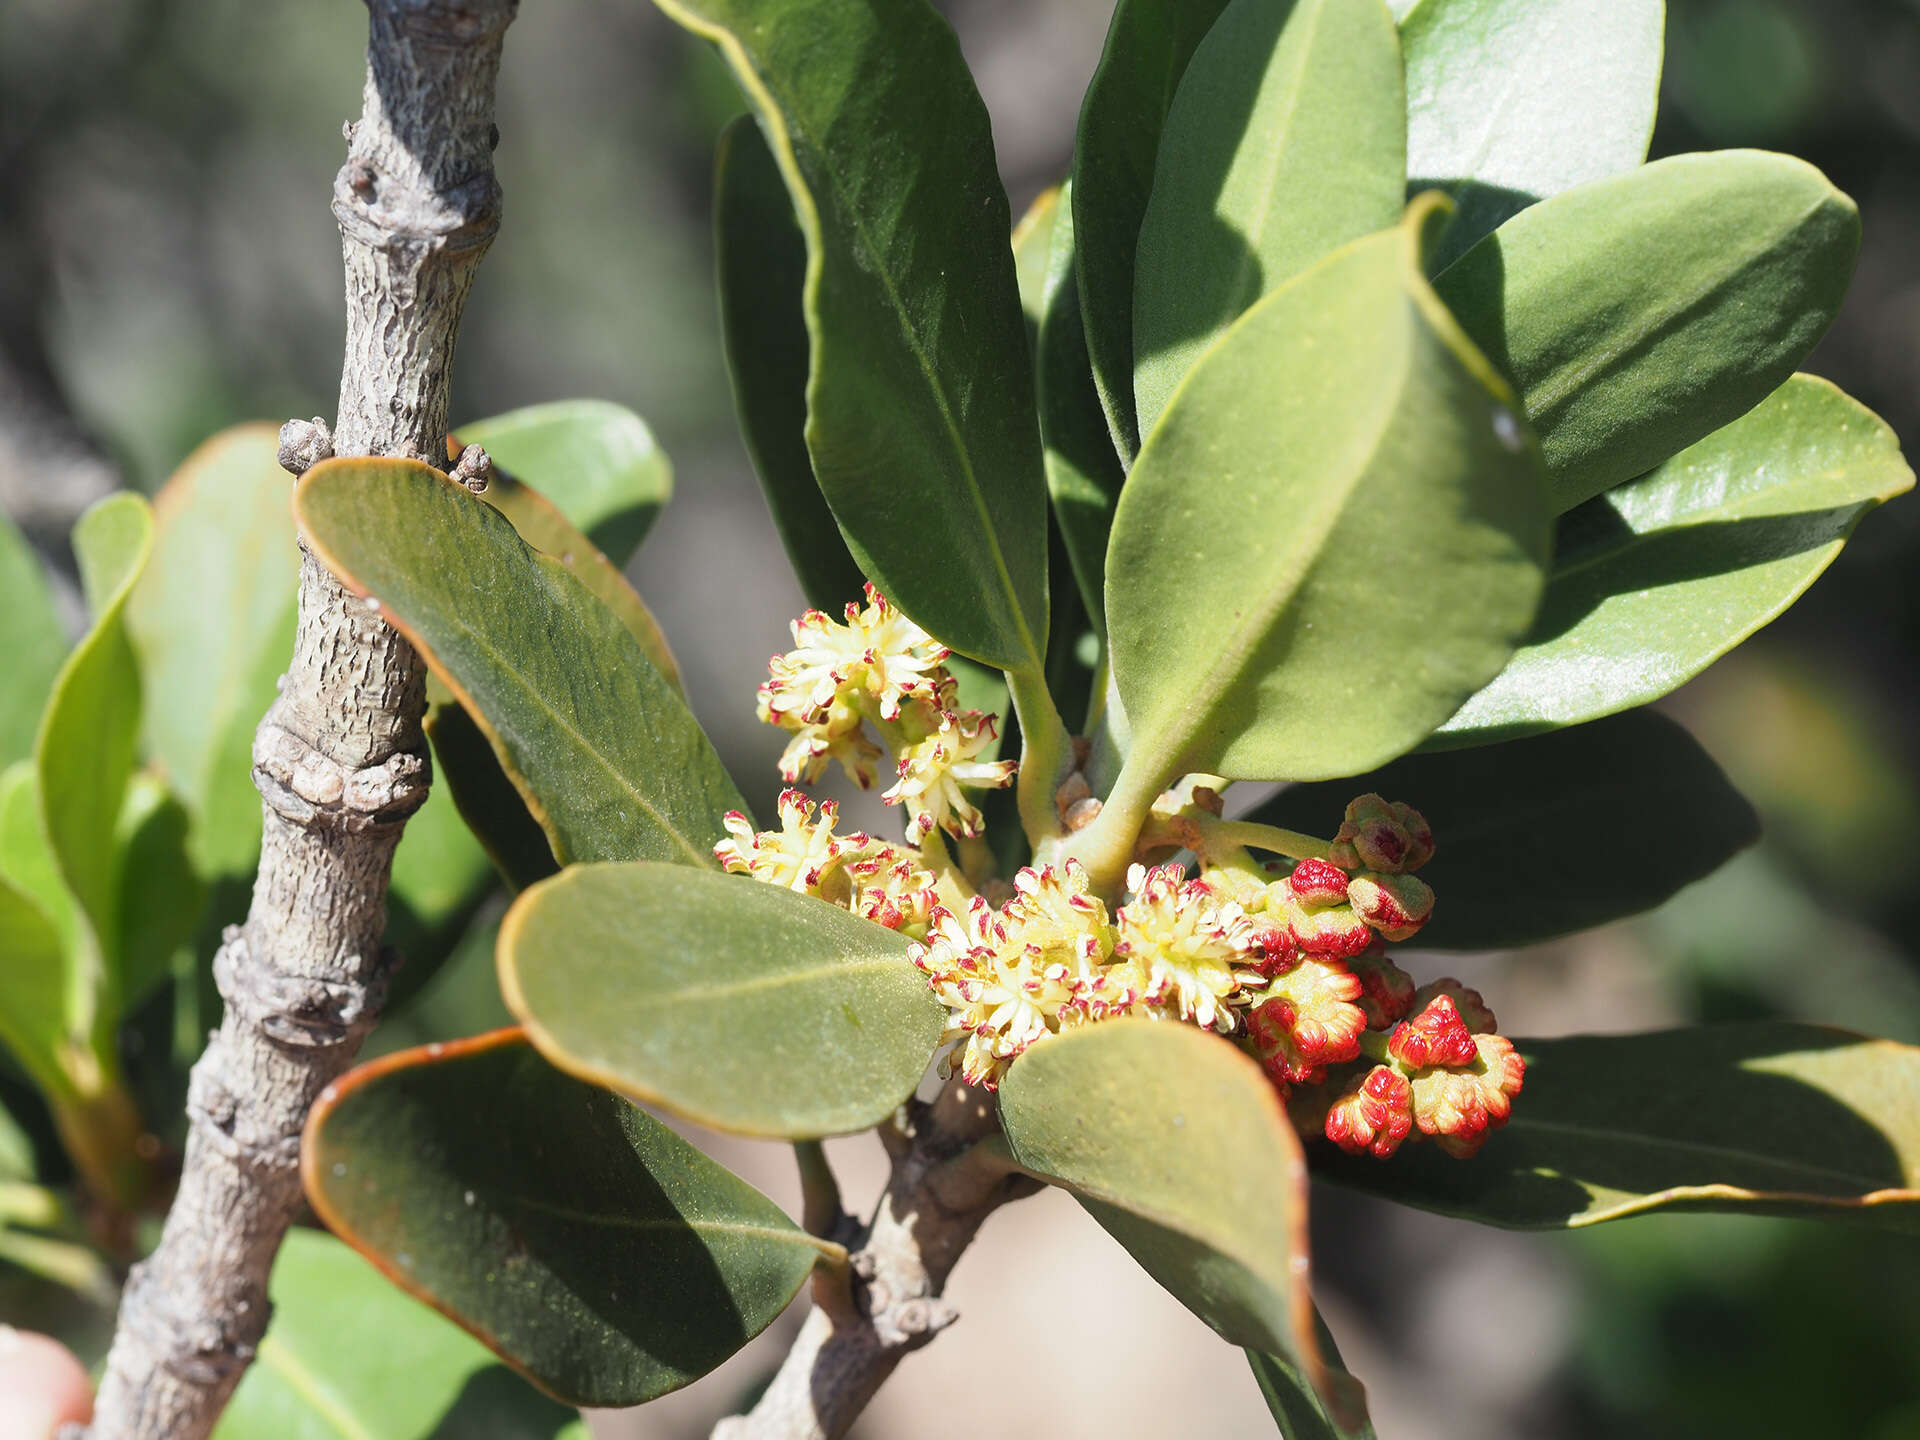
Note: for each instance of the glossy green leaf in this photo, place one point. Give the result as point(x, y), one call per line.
point(596, 461)
point(212, 619)
point(1541, 837)
point(30, 638)
point(1149, 44)
point(1335, 529)
point(159, 892)
point(1299, 1412)
point(33, 988)
point(920, 417)
point(348, 1357)
point(540, 522)
point(761, 258)
point(1769, 1118)
point(740, 1005)
point(1287, 139)
point(1655, 580)
point(1639, 314)
point(1083, 470)
point(1178, 1146)
point(583, 1241)
point(493, 810)
point(1032, 243)
point(84, 754)
point(1509, 101)
point(597, 740)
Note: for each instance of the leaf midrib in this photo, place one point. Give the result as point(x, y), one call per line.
point(311, 1388)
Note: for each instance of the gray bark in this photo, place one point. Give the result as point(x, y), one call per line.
point(339, 759)
point(887, 1303)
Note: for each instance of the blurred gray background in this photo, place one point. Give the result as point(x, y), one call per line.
point(169, 266)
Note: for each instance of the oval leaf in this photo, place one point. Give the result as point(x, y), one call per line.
point(1179, 1147)
point(761, 260)
point(1639, 314)
point(350, 1358)
point(213, 620)
point(583, 1241)
point(1543, 837)
point(158, 894)
point(1338, 478)
point(1769, 1118)
point(1149, 43)
point(612, 769)
point(84, 754)
point(1083, 471)
point(1509, 101)
point(740, 1005)
point(30, 638)
point(1655, 580)
point(1287, 139)
point(932, 471)
point(594, 461)
point(33, 990)
point(1301, 1414)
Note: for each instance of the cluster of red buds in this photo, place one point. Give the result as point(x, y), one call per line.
point(1335, 1000)
point(879, 671)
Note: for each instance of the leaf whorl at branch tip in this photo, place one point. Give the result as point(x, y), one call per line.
point(311, 789)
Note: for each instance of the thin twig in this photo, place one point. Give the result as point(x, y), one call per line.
point(339, 759)
point(947, 1178)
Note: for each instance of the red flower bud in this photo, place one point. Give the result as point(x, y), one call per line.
point(1375, 1116)
point(1458, 1107)
point(1334, 933)
point(1395, 905)
point(1473, 1010)
point(1437, 1036)
point(1316, 882)
point(1388, 838)
point(1308, 1022)
point(1386, 991)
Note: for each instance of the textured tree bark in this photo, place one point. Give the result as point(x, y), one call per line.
point(339, 759)
point(887, 1303)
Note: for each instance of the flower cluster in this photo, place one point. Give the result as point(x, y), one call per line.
point(882, 882)
point(882, 672)
point(1054, 958)
point(1334, 997)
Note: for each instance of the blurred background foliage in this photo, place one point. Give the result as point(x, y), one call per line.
point(169, 266)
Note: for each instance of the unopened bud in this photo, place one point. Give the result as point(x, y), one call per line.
point(1395, 905)
point(1435, 1036)
point(1376, 1115)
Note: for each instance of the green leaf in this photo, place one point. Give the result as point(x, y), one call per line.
point(1542, 837)
point(1655, 580)
point(920, 416)
point(761, 258)
point(348, 1357)
point(739, 1005)
point(159, 892)
point(30, 638)
point(1509, 101)
point(1179, 1147)
point(85, 751)
point(212, 619)
point(1083, 472)
point(583, 1241)
point(613, 769)
point(493, 810)
point(1297, 1410)
point(1770, 1118)
point(1639, 314)
point(1032, 243)
point(1287, 138)
point(33, 989)
point(1347, 518)
point(1149, 44)
point(540, 522)
point(595, 461)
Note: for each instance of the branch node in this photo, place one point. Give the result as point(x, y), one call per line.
point(473, 469)
point(311, 789)
point(304, 444)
